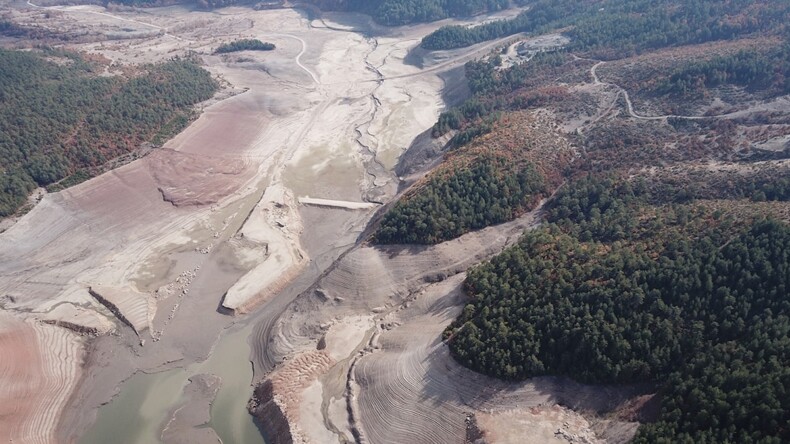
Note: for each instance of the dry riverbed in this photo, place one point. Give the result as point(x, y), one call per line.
point(140, 269)
point(153, 286)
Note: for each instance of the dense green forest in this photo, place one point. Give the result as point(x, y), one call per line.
point(244, 45)
point(615, 290)
point(619, 28)
point(489, 192)
point(58, 119)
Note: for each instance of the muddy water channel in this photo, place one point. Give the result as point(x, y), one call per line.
point(143, 408)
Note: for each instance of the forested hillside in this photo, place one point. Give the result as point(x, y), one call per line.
point(767, 70)
point(446, 207)
point(664, 256)
point(490, 177)
point(59, 119)
point(615, 290)
point(617, 28)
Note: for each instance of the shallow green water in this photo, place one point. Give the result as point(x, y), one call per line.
point(137, 414)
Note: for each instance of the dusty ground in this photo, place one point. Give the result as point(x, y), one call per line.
point(379, 313)
point(145, 262)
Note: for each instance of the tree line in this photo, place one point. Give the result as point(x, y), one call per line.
point(59, 120)
point(402, 12)
point(619, 28)
point(244, 45)
point(764, 70)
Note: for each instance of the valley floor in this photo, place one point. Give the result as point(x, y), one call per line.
point(159, 264)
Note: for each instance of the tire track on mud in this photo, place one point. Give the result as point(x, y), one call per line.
point(298, 57)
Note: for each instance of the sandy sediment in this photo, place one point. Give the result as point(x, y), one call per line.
point(187, 424)
point(40, 365)
point(78, 319)
point(536, 425)
point(211, 177)
point(19, 370)
point(275, 227)
point(329, 203)
point(277, 402)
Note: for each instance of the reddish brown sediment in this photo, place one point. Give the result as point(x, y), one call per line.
point(39, 367)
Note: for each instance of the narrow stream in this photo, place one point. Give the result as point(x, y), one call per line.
point(137, 414)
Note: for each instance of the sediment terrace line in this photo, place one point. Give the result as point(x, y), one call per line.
point(36, 380)
point(344, 204)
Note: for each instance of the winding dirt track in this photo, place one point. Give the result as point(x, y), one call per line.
point(630, 106)
point(298, 58)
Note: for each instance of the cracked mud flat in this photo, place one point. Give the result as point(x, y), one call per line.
point(126, 282)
